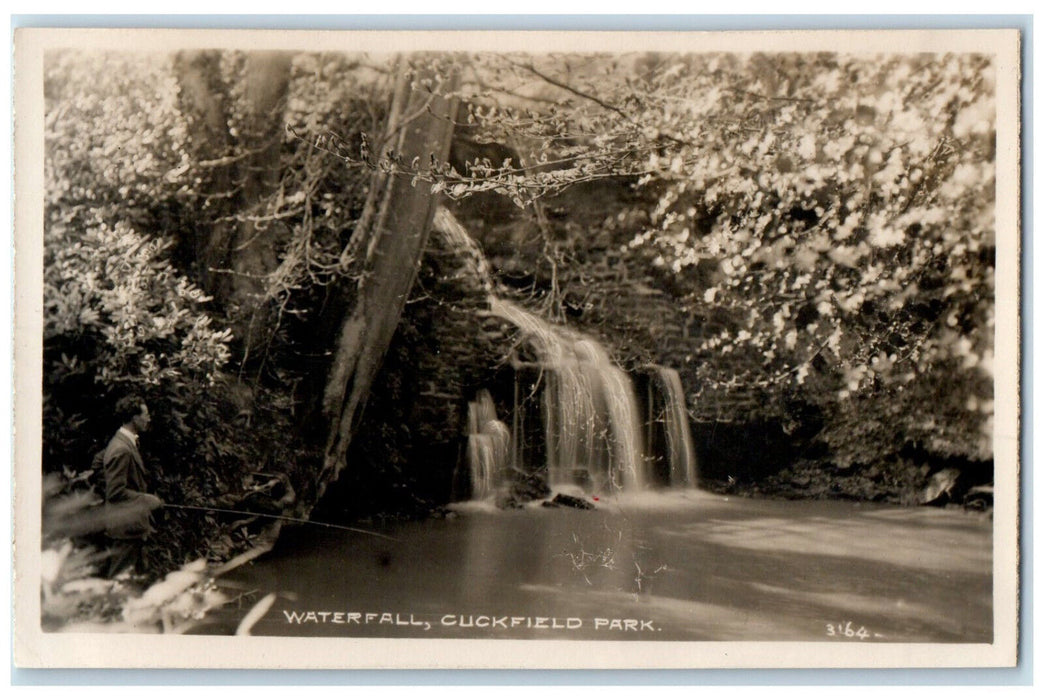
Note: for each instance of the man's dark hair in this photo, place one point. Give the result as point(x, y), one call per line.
point(128, 407)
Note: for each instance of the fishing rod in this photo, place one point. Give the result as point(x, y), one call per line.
point(281, 517)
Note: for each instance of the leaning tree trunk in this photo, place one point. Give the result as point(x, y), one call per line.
point(390, 240)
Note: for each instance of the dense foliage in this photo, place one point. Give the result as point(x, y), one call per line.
point(827, 220)
point(120, 318)
point(131, 306)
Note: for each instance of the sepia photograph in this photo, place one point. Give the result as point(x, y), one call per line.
point(517, 350)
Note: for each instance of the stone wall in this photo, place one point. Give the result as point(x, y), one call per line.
point(409, 449)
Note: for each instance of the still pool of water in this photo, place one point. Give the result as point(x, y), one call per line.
point(656, 566)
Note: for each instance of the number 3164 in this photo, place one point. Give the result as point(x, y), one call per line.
point(846, 629)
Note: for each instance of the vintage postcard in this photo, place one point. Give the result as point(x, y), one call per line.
point(575, 350)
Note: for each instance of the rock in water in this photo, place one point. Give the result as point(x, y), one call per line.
point(562, 499)
point(530, 487)
point(979, 498)
point(939, 490)
point(506, 501)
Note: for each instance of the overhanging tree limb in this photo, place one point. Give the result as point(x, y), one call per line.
point(393, 238)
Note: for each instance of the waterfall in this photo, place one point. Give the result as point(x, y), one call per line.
point(474, 265)
point(489, 445)
point(591, 419)
point(591, 415)
point(670, 413)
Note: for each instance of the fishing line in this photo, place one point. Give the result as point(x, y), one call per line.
point(281, 517)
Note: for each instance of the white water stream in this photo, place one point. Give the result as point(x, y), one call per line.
point(593, 422)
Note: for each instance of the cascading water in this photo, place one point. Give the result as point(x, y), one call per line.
point(592, 420)
point(489, 446)
point(669, 411)
point(591, 415)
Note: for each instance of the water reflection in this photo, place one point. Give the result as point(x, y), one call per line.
point(686, 566)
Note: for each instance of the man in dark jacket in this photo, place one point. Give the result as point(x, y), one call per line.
point(128, 506)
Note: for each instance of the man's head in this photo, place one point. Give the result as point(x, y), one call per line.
point(133, 414)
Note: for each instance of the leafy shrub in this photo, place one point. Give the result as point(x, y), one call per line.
point(74, 596)
point(114, 137)
point(74, 599)
point(118, 319)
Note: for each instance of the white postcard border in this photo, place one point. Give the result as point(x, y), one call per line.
point(33, 648)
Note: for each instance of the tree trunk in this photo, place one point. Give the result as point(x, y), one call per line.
point(242, 174)
point(390, 242)
point(257, 241)
point(256, 244)
point(204, 99)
